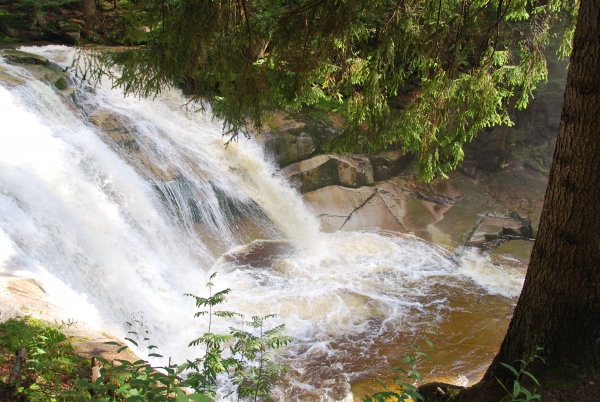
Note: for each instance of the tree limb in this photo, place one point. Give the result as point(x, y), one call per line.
point(21, 356)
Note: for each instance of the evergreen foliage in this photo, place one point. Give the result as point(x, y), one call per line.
point(428, 75)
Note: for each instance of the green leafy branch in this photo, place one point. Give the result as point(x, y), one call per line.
point(520, 393)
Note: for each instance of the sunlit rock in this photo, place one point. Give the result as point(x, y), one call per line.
point(373, 214)
point(334, 205)
point(451, 212)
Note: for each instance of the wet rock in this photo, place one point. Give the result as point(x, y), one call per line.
point(259, 253)
point(330, 170)
point(518, 250)
point(495, 226)
point(8, 79)
point(113, 126)
point(61, 83)
point(19, 57)
point(38, 66)
point(123, 140)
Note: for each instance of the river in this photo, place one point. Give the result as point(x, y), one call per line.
point(117, 231)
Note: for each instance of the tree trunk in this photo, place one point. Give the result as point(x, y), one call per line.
point(89, 15)
point(559, 307)
point(21, 356)
point(38, 16)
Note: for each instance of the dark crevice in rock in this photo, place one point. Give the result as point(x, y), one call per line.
point(388, 207)
point(496, 199)
point(357, 208)
point(472, 232)
point(331, 216)
point(522, 180)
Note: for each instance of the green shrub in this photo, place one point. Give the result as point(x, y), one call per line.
point(51, 363)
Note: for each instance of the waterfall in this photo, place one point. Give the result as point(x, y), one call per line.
point(121, 205)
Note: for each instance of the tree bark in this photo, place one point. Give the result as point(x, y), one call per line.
point(21, 356)
point(89, 15)
point(38, 16)
point(559, 307)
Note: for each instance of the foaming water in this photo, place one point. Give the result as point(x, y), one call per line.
point(504, 280)
point(122, 223)
point(354, 307)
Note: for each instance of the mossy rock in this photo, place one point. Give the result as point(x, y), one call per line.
point(39, 66)
point(19, 57)
point(61, 83)
point(69, 26)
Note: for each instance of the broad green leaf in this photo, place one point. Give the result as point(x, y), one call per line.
point(530, 376)
point(511, 368)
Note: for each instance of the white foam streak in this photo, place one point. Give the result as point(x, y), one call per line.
point(365, 276)
point(495, 279)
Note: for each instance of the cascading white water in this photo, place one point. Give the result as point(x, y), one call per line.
point(115, 234)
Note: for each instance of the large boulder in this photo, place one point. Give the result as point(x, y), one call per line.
point(329, 170)
point(448, 212)
point(341, 208)
point(374, 214)
point(286, 139)
point(290, 137)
